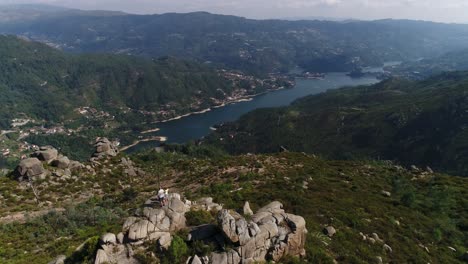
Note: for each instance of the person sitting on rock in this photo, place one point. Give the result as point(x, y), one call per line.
point(162, 197)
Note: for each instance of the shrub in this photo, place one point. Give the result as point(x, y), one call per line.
point(178, 252)
point(86, 253)
point(201, 249)
point(196, 218)
point(408, 199)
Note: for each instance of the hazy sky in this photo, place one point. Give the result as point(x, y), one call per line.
point(435, 10)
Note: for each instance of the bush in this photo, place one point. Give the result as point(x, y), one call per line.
point(196, 218)
point(408, 199)
point(86, 253)
point(178, 252)
point(201, 249)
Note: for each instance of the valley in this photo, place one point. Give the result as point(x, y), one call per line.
point(201, 138)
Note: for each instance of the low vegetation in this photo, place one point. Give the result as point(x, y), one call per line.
point(419, 214)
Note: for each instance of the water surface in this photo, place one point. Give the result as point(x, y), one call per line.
point(198, 126)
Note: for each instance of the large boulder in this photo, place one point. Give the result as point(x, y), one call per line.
point(101, 257)
point(47, 154)
point(62, 162)
point(105, 148)
point(230, 257)
point(273, 207)
point(227, 224)
point(29, 168)
point(176, 205)
point(108, 239)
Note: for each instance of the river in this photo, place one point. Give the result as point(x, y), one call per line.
point(197, 126)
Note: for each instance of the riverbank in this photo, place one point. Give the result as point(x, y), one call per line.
point(246, 98)
point(150, 131)
point(158, 138)
point(197, 126)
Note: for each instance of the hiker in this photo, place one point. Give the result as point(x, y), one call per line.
point(162, 197)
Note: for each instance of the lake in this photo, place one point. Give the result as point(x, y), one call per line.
point(197, 126)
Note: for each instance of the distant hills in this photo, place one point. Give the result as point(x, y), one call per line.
point(41, 82)
point(256, 46)
point(423, 68)
point(422, 123)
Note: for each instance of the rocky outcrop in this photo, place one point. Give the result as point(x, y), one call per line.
point(270, 235)
point(62, 162)
point(59, 166)
point(153, 223)
point(105, 148)
point(29, 169)
point(46, 153)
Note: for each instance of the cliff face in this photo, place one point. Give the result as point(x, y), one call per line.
point(269, 234)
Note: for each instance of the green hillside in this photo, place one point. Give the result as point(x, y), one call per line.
point(420, 218)
point(422, 123)
point(424, 68)
point(45, 83)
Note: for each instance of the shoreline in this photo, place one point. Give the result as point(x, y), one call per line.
point(246, 98)
point(135, 143)
point(150, 131)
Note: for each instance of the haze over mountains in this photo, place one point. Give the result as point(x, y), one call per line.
point(259, 46)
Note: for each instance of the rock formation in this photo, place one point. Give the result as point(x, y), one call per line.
point(270, 235)
point(105, 148)
point(29, 169)
point(33, 168)
point(46, 153)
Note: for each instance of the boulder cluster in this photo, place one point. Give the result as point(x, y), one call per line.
point(33, 167)
point(269, 234)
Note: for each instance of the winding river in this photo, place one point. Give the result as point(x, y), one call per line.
point(197, 126)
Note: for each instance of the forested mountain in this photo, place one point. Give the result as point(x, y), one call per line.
point(423, 68)
point(422, 123)
point(45, 83)
point(257, 46)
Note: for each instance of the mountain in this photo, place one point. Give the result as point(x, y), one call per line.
point(254, 46)
point(412, 122)
point(426, 67)
point(44, 83)
point(377, 209)
point(21, 13)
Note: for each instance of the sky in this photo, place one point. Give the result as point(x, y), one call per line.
point(432, 10)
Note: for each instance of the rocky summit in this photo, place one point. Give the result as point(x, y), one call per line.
point(58, 165)
point(268, 235)
point(105, 148)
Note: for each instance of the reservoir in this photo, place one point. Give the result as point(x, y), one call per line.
point(197, 126)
